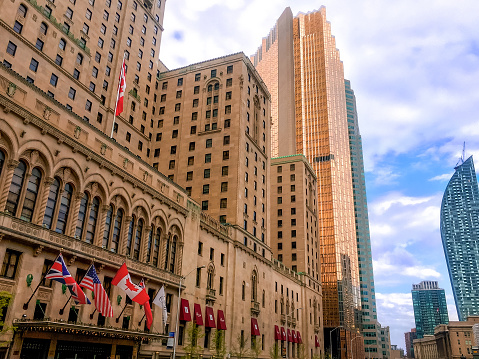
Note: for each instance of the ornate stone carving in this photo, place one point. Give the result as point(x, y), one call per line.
point(47, 112)
point(77, 132)
point(72, 260)
point(103, 149)
point(38, 251)
point(12, 88)
point(34, 155)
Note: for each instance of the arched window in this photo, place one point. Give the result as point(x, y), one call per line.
point(148, 250)
point(254, 289)
point(91, 225)
point(81, 216)
point(210, 88)
point(156, 246)
point(62, 44)
point(31, 195)
point(139, 233)
point(173, 254)
point(51, 204)
point(79, 59)
point(64, 208)
point(217, 86)
point(167, 256)
point(115, 239)
point(243, 291)
point(16, 188)
point(282, 306)
point(106, 233)
point(130, 236)
point(43, 28)
point(2, 161)
point(210, 278)
point(22, 11)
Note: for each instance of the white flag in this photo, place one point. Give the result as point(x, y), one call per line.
point(160, 301)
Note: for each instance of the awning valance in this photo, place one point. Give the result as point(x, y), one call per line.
point(277, 334)
point(221, 320)
point(254, 327)
point(185, 314)
point(298, 334)
point(283, 333)
point(290, 337)
point(210, 318)
point(316, 341)
point(198, 314)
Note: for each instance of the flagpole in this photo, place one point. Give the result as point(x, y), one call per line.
point(118, 319)
point(63, 309)
point(25, 305)
point(71, 295)
point(117, 95)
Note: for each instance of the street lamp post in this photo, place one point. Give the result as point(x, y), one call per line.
point(356, 337)
point(178, 310)
point(331, 341)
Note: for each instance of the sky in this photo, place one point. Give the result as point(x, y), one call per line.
point(414, 67)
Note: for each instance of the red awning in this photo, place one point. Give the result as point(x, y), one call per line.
point(283, 333)
point(298, 334)
point(295, 338)
point(221, 320)
point(277, 334)
point(254, 327)
point(316, 341)
point(210, 318)
point(290, 337)
point(198, 315)
point(185, 314)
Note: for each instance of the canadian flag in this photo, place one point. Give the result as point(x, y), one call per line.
point(121, 90)
point(123, 281)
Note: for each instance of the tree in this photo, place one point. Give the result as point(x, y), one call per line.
point(256, 347)
point(193, 333)
point(239, 349)
point(218, 343)
point(274, 351)
point(5, 300)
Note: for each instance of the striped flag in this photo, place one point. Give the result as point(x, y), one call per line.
point(60, 273)
point(92, 282)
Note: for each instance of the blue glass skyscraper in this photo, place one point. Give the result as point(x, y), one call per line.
point(460, 237)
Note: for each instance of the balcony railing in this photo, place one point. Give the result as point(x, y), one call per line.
point(211, 295)
point(255, 308)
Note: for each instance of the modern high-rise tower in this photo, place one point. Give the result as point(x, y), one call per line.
point(300, 65)
point(460, 233)
point(430, 308)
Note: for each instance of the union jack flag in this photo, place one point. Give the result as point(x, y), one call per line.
point(60, 273)
point(92, 282)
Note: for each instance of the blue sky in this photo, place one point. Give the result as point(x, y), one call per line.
point(414, 67)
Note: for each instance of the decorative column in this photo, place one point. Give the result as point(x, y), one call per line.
point(74, 214)
point(12, 164)
point(179, 260)
point(98, 241)
point(144, 246)
point(162, 255)
point(124, 235)
point(44, 199)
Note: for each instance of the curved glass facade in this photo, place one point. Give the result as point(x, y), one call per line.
point(460, 234)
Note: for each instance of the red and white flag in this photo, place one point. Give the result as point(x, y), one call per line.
point(148, 314)
point(92, 282)
point(123, 281)
point(121, 90)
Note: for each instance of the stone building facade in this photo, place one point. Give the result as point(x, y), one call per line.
point(67, 186)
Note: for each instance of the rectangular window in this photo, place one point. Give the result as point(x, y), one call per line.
point(71, 93)
point(11, 48)
point(229, 69)
point(17, 27)
point(39, 44)
point(10, 263)
point(54, 80)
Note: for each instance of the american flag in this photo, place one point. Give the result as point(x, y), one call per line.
point(92, 282)
point(59, 272)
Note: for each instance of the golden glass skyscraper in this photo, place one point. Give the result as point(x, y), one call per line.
point(313, 117)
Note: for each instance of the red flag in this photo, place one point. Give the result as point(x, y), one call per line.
point(121, 90)
point(148, 314)
point(122, 280)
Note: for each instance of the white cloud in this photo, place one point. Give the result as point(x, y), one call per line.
point(443, 177)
